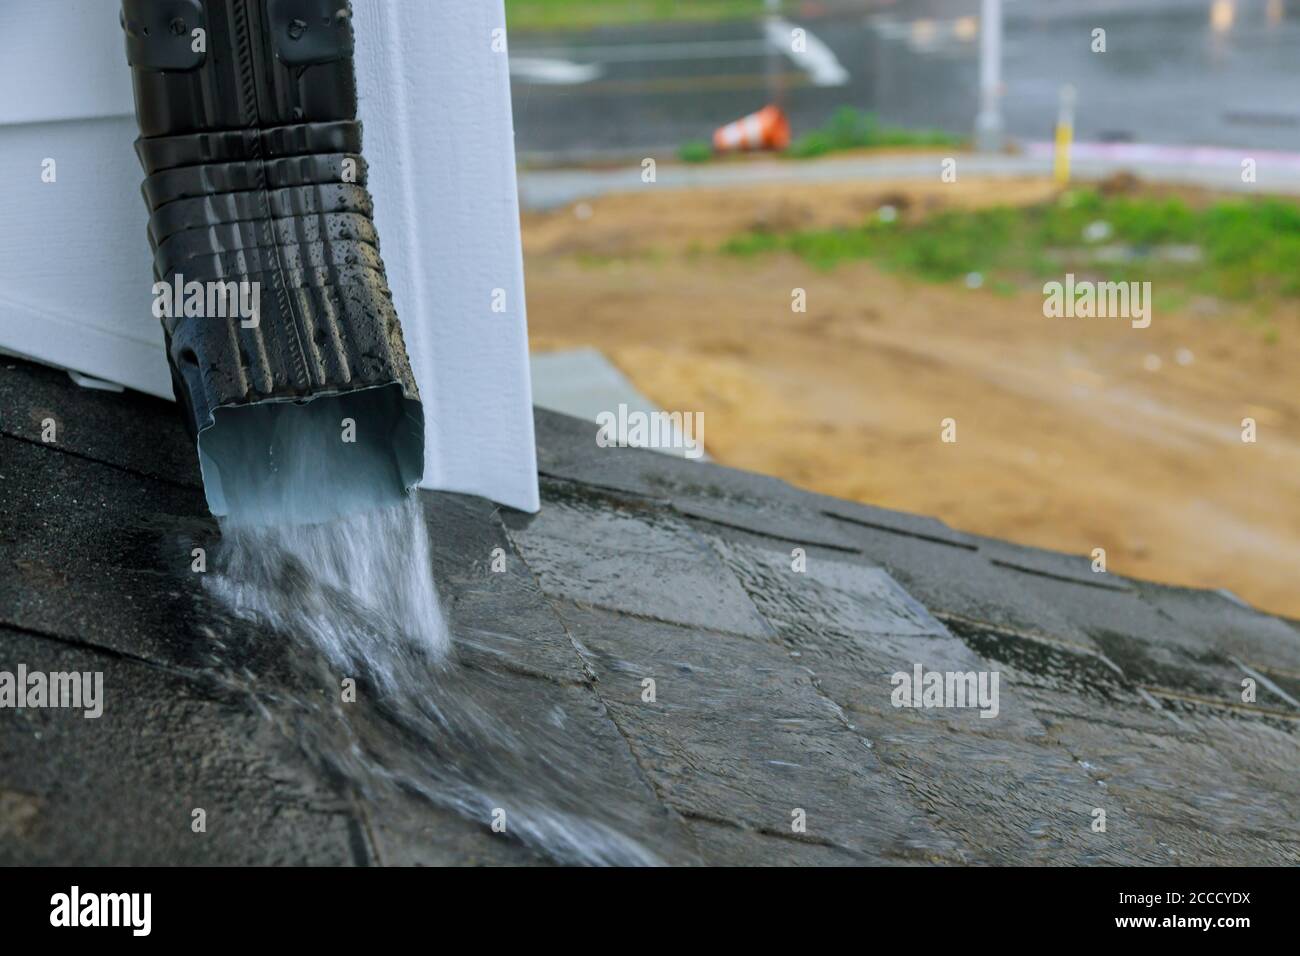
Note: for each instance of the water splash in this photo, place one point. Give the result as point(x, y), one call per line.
point(355, 597)
point(358, 589)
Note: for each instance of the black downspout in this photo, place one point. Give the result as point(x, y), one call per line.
point(256, 190)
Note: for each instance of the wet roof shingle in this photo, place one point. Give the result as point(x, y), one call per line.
point(767, 620)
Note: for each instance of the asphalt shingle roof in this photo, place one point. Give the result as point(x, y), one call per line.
point(772, 685)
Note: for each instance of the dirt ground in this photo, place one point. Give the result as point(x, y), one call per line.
point(1072, 434)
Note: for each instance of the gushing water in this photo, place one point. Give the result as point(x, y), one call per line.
point(355, 597)
point(359, 589)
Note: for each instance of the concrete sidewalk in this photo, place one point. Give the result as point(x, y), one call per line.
point(585, 384)
point(1214, 168)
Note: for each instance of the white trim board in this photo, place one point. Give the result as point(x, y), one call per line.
point(75, 273)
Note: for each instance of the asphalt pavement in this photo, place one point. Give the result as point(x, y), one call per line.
point(1182, 72)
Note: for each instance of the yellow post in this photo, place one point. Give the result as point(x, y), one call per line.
point(1064, 136)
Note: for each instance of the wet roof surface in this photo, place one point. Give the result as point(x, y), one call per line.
point(773, 690)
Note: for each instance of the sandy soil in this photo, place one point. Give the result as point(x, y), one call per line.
point(1066, 436)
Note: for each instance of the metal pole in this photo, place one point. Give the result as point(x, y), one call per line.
point(775, 57)
point(988, 124)
point(1064, 136)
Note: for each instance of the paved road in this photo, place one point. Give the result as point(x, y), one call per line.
point(1175, 71)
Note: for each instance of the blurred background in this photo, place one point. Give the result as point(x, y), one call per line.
point(827, 297)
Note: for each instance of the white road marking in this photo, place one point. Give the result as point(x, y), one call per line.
point(553, 72)
point(815, 59)
point(652, 52)
point(548, 64)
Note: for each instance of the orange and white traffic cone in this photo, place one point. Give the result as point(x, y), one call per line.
point(766, 129)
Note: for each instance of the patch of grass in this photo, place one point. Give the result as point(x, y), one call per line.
point(852, 129)
point(696, 151)
point(948, 246)
point(847, 129)
point(1170, 300)
point(526, 15)
point(1242, 249)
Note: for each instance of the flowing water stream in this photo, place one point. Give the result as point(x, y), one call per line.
point(354, 597)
